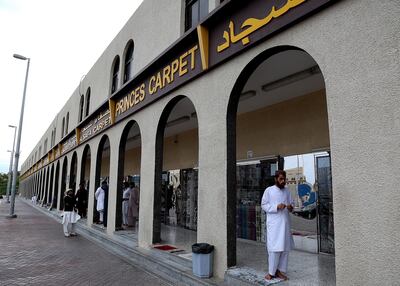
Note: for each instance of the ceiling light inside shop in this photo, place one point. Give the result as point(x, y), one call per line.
point(247, 94)
point(177, 121)
point(291, 78)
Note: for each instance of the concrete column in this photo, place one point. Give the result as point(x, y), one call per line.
point(34, 184)
point(112, 188)
point(53, 183)
point(92, 183)
point(78, 169)
point(147, 173)
point(48, 184)
point(60, 196)
point(41, 185)
point(212, 184)
point(362, 90)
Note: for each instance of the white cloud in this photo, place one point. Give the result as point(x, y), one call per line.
point(63, 40)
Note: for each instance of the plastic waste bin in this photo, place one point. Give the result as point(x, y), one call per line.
point(202, 259)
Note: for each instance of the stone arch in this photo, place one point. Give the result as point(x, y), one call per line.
point(163, 123)
point(131, 133)
point(237, 93)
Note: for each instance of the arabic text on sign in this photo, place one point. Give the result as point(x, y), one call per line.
point(253, 24)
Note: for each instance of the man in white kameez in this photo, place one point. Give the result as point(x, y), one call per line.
point(125, 203)
point(133, 210)
point(100, 195)
point(277, 203)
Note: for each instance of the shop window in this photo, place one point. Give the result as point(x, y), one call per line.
point(253, 177)
point(195, 11)
point(66, 123)
point(45, 146)
point(115, 73)
point(63, 127)
point(128, 62)
point(87, 102)
point(81, 103)
point(179, 198)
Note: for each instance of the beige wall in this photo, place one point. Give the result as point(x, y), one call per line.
point(132, 161)
point(105, 166)
point(303, 123)
point(181, 151)
point(87, 168)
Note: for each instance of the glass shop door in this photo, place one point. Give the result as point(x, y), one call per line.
point(326, 236)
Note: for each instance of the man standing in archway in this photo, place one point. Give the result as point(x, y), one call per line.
point(82, 200)
point(277, 203)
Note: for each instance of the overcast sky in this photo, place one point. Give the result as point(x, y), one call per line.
point(63, 40)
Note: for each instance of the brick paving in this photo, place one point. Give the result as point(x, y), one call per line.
point(34, 251)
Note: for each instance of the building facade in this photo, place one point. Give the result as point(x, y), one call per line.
point(202, 111)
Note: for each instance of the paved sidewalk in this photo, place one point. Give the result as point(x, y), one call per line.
point(34, 251)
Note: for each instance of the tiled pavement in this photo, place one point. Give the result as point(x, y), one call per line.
point(34, 251)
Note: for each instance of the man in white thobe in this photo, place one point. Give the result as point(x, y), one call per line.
point(125, 203)
point(277, 203)
point(99, 195)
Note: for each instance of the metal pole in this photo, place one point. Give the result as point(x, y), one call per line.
point(15, 172)
point(11, 164)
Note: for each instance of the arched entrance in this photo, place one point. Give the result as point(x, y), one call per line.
point(47, 188)
point(51, 188)
point(41, 180)
point(85, 166)
point(63, 182)
point(176, 176)
point(73, 171)
point(102, 175)
point(85, 169)
point(277, 119)
point(35, 180)
point(128, 175)
point(56, 180)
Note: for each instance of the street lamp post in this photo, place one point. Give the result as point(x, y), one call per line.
point(16, 155)
point(11, 164)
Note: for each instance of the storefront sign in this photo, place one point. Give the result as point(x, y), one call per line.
point(56, 154)
point(248, 22)
point(69, 145)
point(96, 125)
point(175, 71)
point(250, 25)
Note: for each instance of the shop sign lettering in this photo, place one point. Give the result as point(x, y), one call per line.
point(69, 144)
point(95, 126)
point(160, 81)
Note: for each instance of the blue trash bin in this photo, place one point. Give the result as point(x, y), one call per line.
point(202, 260)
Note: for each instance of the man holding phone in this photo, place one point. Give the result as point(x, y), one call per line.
point(277, 203)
